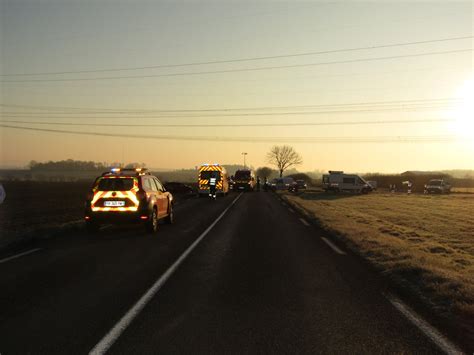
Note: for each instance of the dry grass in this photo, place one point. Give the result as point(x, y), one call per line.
point(425, 243)
point(469, 190)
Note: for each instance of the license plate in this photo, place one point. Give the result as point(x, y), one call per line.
point(114, 203)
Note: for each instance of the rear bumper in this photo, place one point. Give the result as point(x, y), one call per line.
point(242, 186)
point(116, 217)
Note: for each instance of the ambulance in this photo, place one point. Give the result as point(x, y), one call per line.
point(205, 173)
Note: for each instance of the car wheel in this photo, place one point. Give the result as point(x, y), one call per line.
point(152, 224)
point(170, 218)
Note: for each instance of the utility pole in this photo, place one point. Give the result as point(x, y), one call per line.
point(244, 154)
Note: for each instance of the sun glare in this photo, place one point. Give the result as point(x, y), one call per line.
point(463, 113)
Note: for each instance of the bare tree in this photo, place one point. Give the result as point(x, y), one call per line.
point(264, 172)
point(283, 157)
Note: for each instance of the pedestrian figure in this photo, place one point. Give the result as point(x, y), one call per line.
point(410, 186)
point(265, 184)
point(258, 183)
point(212, 185)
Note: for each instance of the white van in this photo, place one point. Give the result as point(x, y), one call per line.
point(338, 181)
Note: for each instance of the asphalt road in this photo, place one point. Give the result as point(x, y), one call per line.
point(260, 281)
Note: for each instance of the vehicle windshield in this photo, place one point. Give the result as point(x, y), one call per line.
point(242, 175)
point(206, 175)
point(115, 184)
point(435, 182)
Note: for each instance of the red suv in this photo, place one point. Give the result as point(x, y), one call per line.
point(128, 195)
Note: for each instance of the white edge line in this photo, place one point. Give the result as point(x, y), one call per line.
point(19, 255)
point(332, 246)
point(433, 334)
point(304, 222)
point(111, 337)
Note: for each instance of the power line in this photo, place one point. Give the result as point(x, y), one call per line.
point(259, 114)
point(240, 59)
point(240, 70)
point(378, 139)
point(435, 101)
point(220, 125)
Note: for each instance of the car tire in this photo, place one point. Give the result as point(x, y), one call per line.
point(151, 225)
point(170, 218)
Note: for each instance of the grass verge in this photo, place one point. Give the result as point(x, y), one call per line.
point(423, 243)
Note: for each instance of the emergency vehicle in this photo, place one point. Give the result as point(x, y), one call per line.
point(205, 173)
point(337, 181)
point(128, 195)
point(244, 180)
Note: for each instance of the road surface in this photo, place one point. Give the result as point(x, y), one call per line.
point(261, 280)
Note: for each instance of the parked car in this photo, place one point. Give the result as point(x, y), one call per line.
point(438, 186)
point(179, 188)
point(282, 184)
point(128, 196)
point(337, 181)
point(301, 184)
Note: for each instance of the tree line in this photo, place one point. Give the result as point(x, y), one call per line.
point(77, 165)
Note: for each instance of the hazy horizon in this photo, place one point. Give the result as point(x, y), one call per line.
point(381, 86)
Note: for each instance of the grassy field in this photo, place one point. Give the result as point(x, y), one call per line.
point(424, 243)
point(469, 190)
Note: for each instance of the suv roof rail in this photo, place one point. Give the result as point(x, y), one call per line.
point(127, 171)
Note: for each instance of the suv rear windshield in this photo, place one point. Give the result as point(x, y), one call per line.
point(242, 175)
point(115, 184)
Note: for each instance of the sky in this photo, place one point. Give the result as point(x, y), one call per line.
point(366, 86)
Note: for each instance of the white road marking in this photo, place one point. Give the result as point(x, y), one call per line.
point(291, 210)
point(304, 222)
point(111, 337)
point(332, 246)
point(19, 255)
point(440, 340)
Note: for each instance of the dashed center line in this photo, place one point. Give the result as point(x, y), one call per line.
point(19, 255)
point(432, 333)
point(304, 222)
point(111, 337)
point(332, 246)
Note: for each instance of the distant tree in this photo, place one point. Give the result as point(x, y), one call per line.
point(264, 172)
point(283, 157)
point(135, 165)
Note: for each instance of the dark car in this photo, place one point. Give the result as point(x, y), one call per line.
point(128, 196)
point(301, 184)
point(179, 188)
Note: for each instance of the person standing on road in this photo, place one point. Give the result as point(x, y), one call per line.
point(258, 183)
point(212, 185)
point(3, 194)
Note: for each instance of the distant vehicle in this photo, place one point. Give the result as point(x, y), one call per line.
point(337, 181)
point(282, 184)
point(373, 184)
point(179, 188)
point(205, 172)
point(301, 184)
point(130, 196)
point(244, 180)
point(437, 186)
